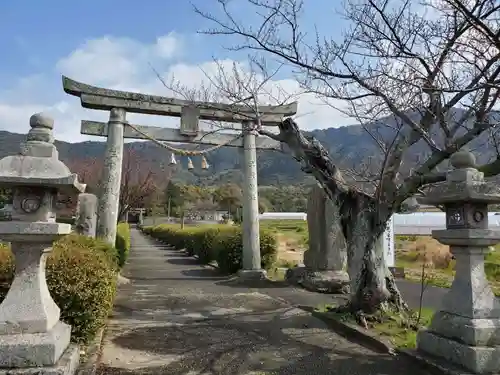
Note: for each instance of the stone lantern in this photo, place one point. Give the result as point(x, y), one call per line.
point(466, 331)
point(32, 338)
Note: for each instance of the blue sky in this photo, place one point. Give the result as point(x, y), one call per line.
point(108, 42)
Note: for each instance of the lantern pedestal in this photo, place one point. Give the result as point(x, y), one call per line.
point(30, 331)
point(467, 329)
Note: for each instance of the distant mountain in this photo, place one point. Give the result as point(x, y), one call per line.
point(349, 145)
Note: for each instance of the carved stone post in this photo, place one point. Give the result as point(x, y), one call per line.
point(32, 339)
point(251, 236)
point(86, 215)
point(466, 331)
point(326, 260)
point(111, 177)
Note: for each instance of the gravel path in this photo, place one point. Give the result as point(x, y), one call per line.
point(179, 318)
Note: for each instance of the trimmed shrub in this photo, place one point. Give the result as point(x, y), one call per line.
point(492, 271)
point(222, 243)
point(122, 243)
point(205, 244)
point(81, 275)
point(97, 245)
point(229, 250)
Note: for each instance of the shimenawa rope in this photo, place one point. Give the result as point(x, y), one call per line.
point(180, 151)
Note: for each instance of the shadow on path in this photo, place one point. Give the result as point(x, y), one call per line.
point(287, 342)
point(203, 273)
point(235, 282)
point(187, 261)
point(181, 318)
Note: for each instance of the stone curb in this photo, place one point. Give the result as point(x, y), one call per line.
point(365, 338)
point(432, 365)
point(89, 367)
point(354, 333)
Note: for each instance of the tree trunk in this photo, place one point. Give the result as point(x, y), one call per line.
point(372, 284)
point(363, 218)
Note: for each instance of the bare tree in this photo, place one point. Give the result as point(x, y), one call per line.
point(414, 73)
point(139, 188)
point(137, 185)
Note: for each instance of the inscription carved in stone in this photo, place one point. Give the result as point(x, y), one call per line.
point(326, 259)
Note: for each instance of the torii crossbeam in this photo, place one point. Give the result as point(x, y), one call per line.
point(190, 112)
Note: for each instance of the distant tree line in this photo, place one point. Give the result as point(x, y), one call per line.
point(180, 199)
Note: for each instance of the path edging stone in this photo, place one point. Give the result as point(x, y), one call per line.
point(432, 365)
point(352, 332)
point(91, 364)
point(365, 338)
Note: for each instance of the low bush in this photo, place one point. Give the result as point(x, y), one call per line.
point(81, 275)
point(122, 243)
point(221, 243)
point(228, 250)
point(99, 246)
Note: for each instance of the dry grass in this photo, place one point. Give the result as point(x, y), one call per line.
point(290, 250)
point(292, 240)
point(414, 253)
point(419, 254)
point(423, 251)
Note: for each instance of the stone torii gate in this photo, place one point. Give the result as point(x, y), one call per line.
point(118, 103)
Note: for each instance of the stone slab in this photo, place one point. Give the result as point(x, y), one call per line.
point(327, 245)
point(478, 359)
point(331, 282)
point(33, 229)
point(34, 349)
point(86, 214)
point(252, 274)
point(67, 365)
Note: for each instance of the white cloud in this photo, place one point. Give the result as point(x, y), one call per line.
point(167, 45)
point(104, 60)
point(123, 63)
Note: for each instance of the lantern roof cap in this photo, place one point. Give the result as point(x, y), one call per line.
point(464, 183)
point(37, 164)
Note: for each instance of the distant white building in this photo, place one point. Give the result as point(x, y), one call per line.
point(283, 216)
point(423, 223)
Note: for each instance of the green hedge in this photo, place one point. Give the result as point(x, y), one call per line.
point(81, 275)
point(221, 243)
point(122, 243)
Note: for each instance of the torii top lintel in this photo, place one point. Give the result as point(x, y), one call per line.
point(93, 97)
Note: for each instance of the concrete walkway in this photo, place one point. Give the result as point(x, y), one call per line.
point(177, 317)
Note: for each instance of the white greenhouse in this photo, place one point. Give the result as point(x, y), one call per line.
point(283, 216)
point(423, 223)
